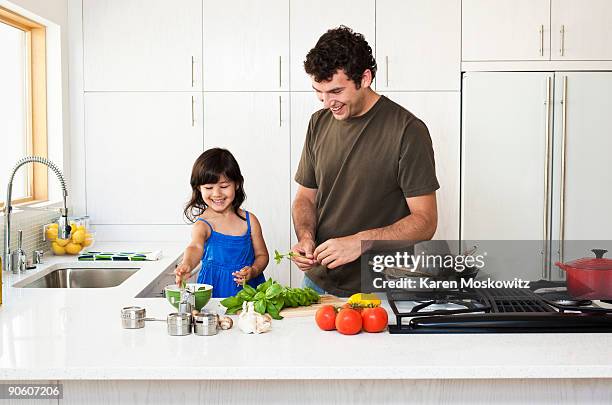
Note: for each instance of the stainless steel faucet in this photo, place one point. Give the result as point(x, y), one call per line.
point(63, 226)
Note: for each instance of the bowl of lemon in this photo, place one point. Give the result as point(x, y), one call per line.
point(81, 237)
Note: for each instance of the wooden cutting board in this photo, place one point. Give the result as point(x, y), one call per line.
point(312, 309)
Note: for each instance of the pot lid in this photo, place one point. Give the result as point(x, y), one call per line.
point(593, 263)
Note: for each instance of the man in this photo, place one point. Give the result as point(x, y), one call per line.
point(366, 172)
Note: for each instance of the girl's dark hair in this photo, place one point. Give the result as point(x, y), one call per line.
point(207, 169)
point(340, 48)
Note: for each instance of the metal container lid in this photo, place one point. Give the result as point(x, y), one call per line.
point(133, 312)
point(178, 318)
point(204, 316)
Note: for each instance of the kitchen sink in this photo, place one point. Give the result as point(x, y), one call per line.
point(77, 275)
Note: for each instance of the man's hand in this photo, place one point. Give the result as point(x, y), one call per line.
point(305, 258)
point(338, 251)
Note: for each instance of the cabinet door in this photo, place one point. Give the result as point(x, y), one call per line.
point(308, 24)
point(303, 105)
point(505, 30)
point(139, 151)
point(418, 44)
point(246, 45)
point(504, 160)
point(581, 30)
point(259, 141)
point(585, 189)
point(142, 45)
point(440, 112)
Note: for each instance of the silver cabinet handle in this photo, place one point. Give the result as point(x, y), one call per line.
point(541, 40)
point(387, 70)
point(545, 267)
point(192, 72)
point(280, 111)
point(562, 50)
point(280, 72)
point(562, 185)
point(192, 111)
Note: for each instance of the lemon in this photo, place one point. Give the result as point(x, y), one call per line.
point(51, 234)
point(73, 248)
point(81, 228)
point(52, 226)
point(78, 236)
point(88, 240)
point(364, 300)
point(57, 249)
point(62, 242)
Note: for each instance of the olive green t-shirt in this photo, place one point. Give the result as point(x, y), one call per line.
point(363, 168)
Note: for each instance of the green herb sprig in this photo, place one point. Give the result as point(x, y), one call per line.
point(278, 257)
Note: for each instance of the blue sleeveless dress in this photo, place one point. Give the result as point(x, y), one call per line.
point(223, 255)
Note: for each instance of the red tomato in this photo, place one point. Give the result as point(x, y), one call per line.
point(348, 321)
point(374, 319)
point(326, 317)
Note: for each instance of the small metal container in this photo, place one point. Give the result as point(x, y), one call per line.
point(205, 323)
point(133, 317)
point(179, 324)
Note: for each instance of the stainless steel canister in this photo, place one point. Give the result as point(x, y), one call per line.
point(205, 323)
point(179, 324)
point(133, 317)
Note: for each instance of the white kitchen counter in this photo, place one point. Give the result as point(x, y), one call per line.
point(76, 334)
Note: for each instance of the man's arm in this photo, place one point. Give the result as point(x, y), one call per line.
point(305, 222)
point(421, 224)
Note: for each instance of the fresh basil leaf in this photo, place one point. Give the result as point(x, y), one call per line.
point(273, 311)
point(230, 302)
point(273, 291)
point(260, 306)
point(233, 310)
point(249, 290)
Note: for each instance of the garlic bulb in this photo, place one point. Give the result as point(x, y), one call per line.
point(250, 321)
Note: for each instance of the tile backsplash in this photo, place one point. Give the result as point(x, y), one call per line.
point(31, 223)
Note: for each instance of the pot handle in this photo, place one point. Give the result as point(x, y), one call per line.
point(561, 266)
point(599, 253)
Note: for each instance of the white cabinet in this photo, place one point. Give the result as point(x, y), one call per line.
point(440, 112)
point(303, 105)
point(581, 30)
point(418, 45)
point(505, 196)
point(308, 23)
point(139, 151)
point(246, 45)
point(505, 157)
point(259, 140)
point(505, 30)
point(147, 45)
point(584, 187)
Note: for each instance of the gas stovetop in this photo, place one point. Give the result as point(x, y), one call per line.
point(493, 311)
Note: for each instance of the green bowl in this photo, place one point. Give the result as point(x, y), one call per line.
point(202, 294)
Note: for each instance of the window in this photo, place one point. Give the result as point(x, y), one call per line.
point(23, 115)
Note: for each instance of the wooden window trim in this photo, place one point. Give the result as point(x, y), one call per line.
point(37, 102)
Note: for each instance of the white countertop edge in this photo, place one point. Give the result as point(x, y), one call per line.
point(312, 373)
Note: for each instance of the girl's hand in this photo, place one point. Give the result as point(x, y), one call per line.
point(181, 271)
point(244, 274)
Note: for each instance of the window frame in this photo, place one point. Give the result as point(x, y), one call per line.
point(36, 76)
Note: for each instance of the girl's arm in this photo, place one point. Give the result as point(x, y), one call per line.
point(194, 251)
point(259, 246)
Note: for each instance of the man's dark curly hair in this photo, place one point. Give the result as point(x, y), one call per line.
point(340, 48)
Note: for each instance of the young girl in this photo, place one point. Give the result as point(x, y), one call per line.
point(227, 239)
